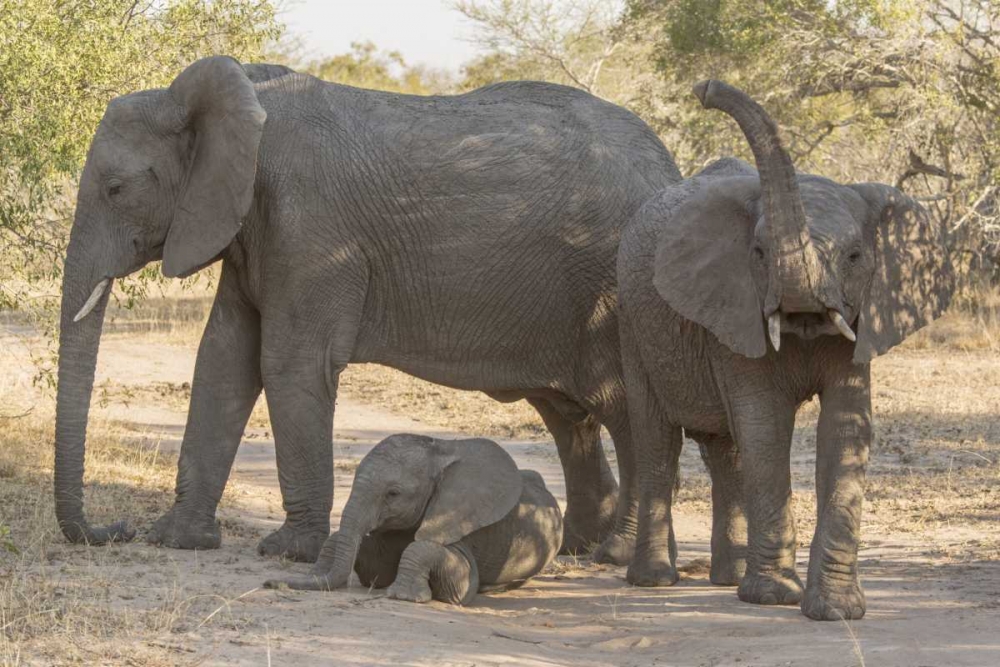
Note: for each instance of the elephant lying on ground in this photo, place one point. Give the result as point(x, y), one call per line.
point(439, 519)
point(469, 240)
point(836, 274)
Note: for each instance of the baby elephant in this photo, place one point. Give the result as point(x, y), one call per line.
point(441, 519)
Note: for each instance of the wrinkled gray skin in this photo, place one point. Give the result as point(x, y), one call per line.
point(439, 519)
point(702, 269)
point(467, 240)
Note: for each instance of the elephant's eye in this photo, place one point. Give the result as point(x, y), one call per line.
point(854, 257)
point(392, 493)
point(114, 189)
point(758, 253)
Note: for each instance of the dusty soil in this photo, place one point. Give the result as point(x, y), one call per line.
point(930, 556)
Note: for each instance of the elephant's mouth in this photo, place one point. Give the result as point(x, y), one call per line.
point(808, 326)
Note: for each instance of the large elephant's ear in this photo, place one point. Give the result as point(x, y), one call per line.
point(913, 280)
point(218, 105)
point(479, 484)
point(702, 264)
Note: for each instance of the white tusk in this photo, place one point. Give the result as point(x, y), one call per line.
point(774, 330)
point(842, 325)
point(95, 296)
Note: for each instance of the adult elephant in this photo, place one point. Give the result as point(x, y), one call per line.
point(469, 240)
point(836, 275)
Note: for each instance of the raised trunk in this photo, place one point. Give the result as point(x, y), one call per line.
point(792, 258)
point(78, 343)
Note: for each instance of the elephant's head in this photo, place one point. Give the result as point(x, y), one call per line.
point(442, 489)
point(169, 175)
point(802, 254)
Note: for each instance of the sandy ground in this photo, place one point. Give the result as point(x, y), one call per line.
point(933, 594)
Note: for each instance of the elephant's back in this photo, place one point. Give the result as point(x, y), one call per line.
point(521, 544)
point(486, 224)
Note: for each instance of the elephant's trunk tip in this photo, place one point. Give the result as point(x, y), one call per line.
point(119, 531)
point(307, 583)
point(702, 90)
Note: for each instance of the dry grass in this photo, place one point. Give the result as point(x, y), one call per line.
point(61, 604)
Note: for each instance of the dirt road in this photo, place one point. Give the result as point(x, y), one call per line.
point(925, 606)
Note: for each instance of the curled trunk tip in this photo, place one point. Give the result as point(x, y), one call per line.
point(792, 260)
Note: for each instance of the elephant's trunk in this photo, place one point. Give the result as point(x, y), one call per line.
point(792, 259)
point(336, 559)
point(78, 343)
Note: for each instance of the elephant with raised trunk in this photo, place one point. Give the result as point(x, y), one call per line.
point(743, 293)
point(469, 240)
point(439, 519)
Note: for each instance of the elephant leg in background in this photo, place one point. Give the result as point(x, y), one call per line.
point(762, 421)
point(618, 548)
point(591, 489)
point(833, 591)
point(429, 571)
point(224, 390)
point(729, 524)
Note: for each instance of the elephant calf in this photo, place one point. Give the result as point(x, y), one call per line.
point(441, 519)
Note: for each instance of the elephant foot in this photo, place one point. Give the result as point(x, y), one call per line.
point(771, 588)
point(727, 570)
point(615, 550)
point(840, 604)
point(297, 544)
point(587, 524)
point(412, 589)
point(176, 531)
point(650, 572)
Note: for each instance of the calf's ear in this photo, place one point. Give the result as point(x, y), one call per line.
point(478, 484)
point(702, 266)
point(913, 281)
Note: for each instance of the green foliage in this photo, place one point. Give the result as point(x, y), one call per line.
point(7, 540)
point(900, 91)
point(365, 66)
point(60, 64)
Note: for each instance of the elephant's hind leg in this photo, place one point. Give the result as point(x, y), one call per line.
point(429, 571)
point(591, 489)
point(658, 447)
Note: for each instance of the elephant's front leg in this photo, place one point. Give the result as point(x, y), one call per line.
point(226, 385)
point(300, 399)
point(429, 571)
point(833, 591)
point(762, 421)
point(658, 447)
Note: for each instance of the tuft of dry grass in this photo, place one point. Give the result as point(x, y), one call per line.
point(60, 603)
